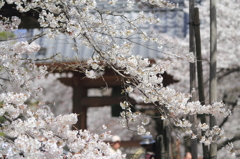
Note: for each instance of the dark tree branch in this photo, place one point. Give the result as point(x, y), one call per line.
point(225, 72)
point(233, 104)
point(235, 138)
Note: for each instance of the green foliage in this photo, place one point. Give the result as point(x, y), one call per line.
point(2, 119)
point(6, 36)
point(2, 134)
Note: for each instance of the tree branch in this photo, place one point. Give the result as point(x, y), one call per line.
point(226, 72)
point(221, 145)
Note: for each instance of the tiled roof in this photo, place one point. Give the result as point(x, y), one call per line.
point(174, 22)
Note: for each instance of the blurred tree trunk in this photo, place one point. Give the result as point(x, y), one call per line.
point(213, 66)
point(193, 118)
point(200, 72)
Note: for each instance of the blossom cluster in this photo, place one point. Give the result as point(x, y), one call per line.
point(230, 148)
point(37, 134)
point(9, 24)
point(26, 133)
point(43, 135)
point(211, 135)
point(20, 77)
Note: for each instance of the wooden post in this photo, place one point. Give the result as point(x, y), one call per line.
point(213, 67)
point(160, 146)
point(163, 140)
point(193, 118)
point(78, 93)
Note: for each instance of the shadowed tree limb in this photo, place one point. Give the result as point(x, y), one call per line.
point(221, 145)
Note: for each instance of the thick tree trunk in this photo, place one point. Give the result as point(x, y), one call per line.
point(213, 66)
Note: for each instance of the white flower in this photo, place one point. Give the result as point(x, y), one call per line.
point(48, 134)
point(141, 130)
point(130, 4)
point(203, 126)
point(123, 122)
point(104, 126)
point(144, 63)
point(193, 136)
point(145, 121)
point(208, 141)
point(188, 131)
point(112, 2)
point(124, 105)
point(163, 117)
point(91, 74)
point(190, 57)
point(129, 89)
point(202, 140)
point(230, 149)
